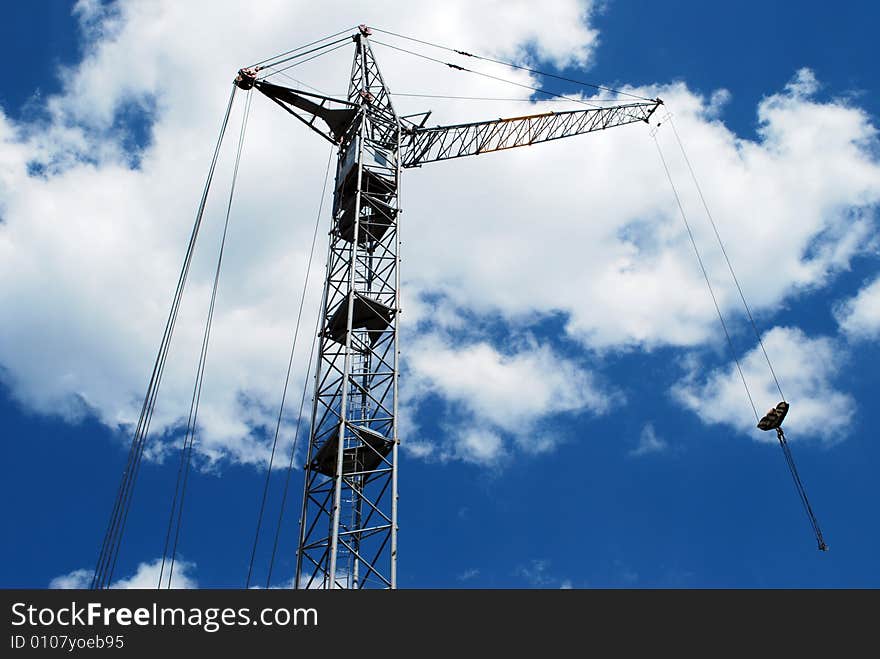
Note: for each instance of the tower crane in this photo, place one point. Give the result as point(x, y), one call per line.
point(348, 524)
point(348, 527)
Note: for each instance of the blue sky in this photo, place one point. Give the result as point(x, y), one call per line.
point(705, 503)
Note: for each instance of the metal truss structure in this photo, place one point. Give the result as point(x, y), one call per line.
point(445, 142)
point(348, 525)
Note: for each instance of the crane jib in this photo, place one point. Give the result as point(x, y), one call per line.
point(456, 141)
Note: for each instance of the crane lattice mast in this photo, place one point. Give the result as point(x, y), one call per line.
point(348, 525)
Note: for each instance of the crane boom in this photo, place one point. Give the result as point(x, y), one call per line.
point(446, 142)
point(424, 145)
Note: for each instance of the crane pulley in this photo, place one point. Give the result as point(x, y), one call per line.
point(772, 420)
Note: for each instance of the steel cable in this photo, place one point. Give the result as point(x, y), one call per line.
point(308, 59)
point(287, 377)
point(706, 277)
point(726, 257)
point(292, 454)
point(486, 75)
point(514, 66)
point(786, 450)
point(189, 437)
point(115, 529)
point(296, 50)
point(801, 490)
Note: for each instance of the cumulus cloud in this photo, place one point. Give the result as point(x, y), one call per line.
point(343, 580)
point(497, 395)
point(146, 576)
point(649, 442)
point(72, 580)
point(537, 574)
point(804, 84)
point(94, 222)
point(806, 368)
point(468, 575)
point(793, 207)
point(859, 317)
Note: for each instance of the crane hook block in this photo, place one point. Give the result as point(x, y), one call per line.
point(246, 78)
point(773, 418)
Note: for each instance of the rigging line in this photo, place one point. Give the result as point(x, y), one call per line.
point(292, 454)
point(802, 492)
point(307, 52)
point(516, 66)
point(298, 48)
point(789, 461)
point(164, 358)
point(113, 536)
point(305, 84)
point(485, 75)
point(189, 438)
point(495, 98)
point(308, 59)
point(305, 381)
point(289, 367)
point(208, 326)
point(726, 258)
point(706, 277)
point(786, 450)
point(206, 340)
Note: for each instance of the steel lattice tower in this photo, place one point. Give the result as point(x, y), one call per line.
point(348, 531)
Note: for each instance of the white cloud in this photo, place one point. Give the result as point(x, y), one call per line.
point(859, 317)
point(307, 583)
point(89, 251)
point(649, 442)
point(479, 445)
point(469, 574)
point(537, 574)
point(497, 395)
point(806, 368)
point(803, 84)
point(594, 231)
point(146, 576)
point(81, 578)
point(717, 101)
point(508, 390)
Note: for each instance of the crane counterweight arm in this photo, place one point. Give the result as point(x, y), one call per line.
point(336, 114)
point(446, 142)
